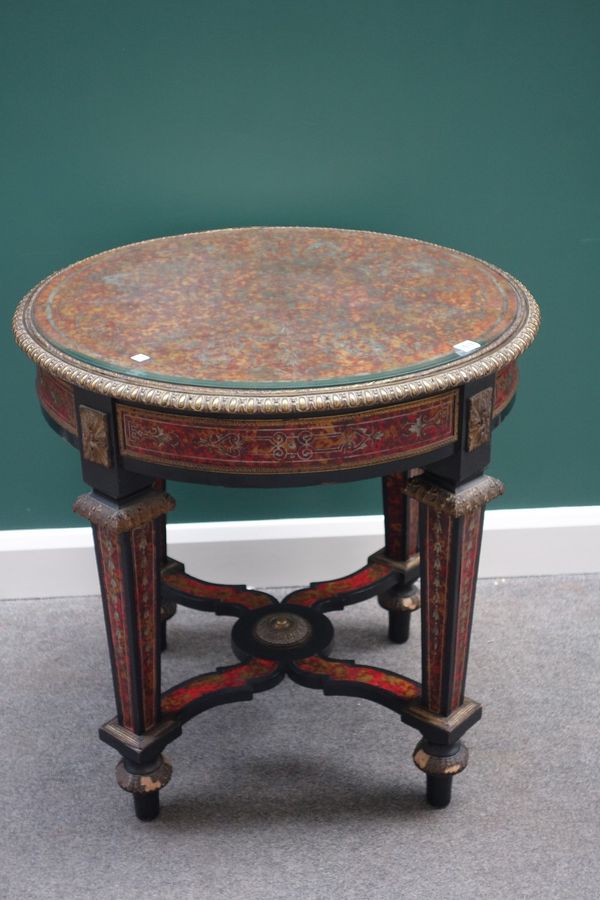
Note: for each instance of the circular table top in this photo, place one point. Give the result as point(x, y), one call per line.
point(261, 319)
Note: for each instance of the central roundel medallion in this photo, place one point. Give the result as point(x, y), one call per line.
point(283, 632)
point(282, 629)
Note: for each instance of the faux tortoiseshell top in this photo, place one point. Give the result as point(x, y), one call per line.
point(268, 308)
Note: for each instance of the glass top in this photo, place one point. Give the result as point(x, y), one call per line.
point(268, 308)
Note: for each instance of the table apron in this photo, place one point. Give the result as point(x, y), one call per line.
point(257, 451)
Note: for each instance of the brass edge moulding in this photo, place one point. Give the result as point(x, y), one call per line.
point(284, 402)
point(138, 742)
point(403, 566)
point(146, 782)
point(399, 599)
point(465, 500)
point(445, 723)
point(440, 765)
point(123, 518)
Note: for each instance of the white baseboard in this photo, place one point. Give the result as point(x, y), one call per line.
point(59, 562)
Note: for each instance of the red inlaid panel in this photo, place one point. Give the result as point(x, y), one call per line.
point(111, 572)
point(237, 676)
point(412, 512)
point(325, 590)
point(338, 670)
point(58, 399)
point(143, 551)
point(274, 307)
point(295, 445)
point(401, 517)
point(507, 381)
point(143, 641)
point(394, 502)
point(221, 593)
point(435, 603)
point(471, 540)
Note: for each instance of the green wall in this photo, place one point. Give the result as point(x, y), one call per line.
point(469, 123)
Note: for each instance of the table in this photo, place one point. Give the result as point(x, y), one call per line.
point(282, 356)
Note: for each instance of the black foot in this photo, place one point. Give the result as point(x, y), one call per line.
point(163, 635)
point(439, 790)
point(398, 625)
point(400, 603)
point(146, 805)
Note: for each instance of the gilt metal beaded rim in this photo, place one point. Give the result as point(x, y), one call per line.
point(289, 401)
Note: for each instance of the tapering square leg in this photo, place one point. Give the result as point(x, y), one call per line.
point(128, 537)
point(168, 606)
point(401, 516)
point(451, 528)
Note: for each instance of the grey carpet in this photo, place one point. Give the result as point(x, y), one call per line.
point(297, 795)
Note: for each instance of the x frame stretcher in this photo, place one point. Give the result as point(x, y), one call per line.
point(272, 639)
